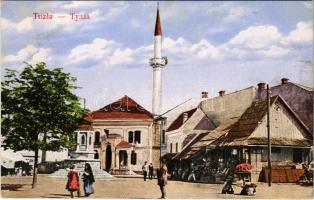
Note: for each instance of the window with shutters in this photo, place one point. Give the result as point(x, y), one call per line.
point(131, 136)
point(163, 137)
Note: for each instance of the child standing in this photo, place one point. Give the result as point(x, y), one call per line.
point(73, 183)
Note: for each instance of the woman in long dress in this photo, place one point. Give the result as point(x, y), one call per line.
point(73, 183)
point(88, 179)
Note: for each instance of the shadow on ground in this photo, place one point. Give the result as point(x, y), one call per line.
point(61, 195)
point(12, 187)
point(57, 196)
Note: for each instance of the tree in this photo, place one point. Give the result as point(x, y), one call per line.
point(39, 110)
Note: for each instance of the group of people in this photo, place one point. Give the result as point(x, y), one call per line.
point(162, 176)
point(73, 183)
point(148, 170)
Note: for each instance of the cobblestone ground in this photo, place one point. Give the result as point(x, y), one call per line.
point(136, 188)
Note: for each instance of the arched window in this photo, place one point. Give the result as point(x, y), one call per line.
point(133, 158)
point(97, 137)
point(176, 147)
point(83, 142)
point(170, 147)
point(137, 137)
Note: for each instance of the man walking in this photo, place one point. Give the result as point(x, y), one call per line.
point(145, 170)
point(163, 179)
point(151, 171)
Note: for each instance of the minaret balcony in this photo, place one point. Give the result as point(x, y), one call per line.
point(156, 62)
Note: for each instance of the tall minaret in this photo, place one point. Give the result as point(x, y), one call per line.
point(157, 62)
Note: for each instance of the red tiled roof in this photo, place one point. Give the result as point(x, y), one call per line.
point(88, 118)
point(179, 121)
point(124, 108)
point(86, 123)
point(124, 144)
point(85, 127)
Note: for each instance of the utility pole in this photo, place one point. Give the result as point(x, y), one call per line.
point(268, 137)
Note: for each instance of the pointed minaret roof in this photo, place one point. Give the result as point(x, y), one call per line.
point(158, 25)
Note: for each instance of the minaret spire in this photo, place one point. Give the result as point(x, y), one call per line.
point(158, 25)
point(157, 63)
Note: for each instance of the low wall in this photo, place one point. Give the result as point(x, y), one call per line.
point(283, 175)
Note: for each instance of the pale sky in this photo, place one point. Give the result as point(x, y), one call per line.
point(210, 45)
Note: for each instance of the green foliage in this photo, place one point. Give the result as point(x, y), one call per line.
point(38, 103)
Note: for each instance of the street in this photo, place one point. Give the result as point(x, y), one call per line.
point(136, 188)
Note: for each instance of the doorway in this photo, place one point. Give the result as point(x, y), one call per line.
point(297, 155)
point(123, 159)
point(108, 158)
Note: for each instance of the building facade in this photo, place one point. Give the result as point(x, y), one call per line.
point(239, 132)
point(123, 132)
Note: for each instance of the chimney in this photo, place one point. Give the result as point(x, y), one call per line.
point(284, 81)
point(204, 94)
point(222, 93)
point(261, 87)
point(185, 117)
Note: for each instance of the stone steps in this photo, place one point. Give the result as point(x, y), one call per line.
point(98, 174)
